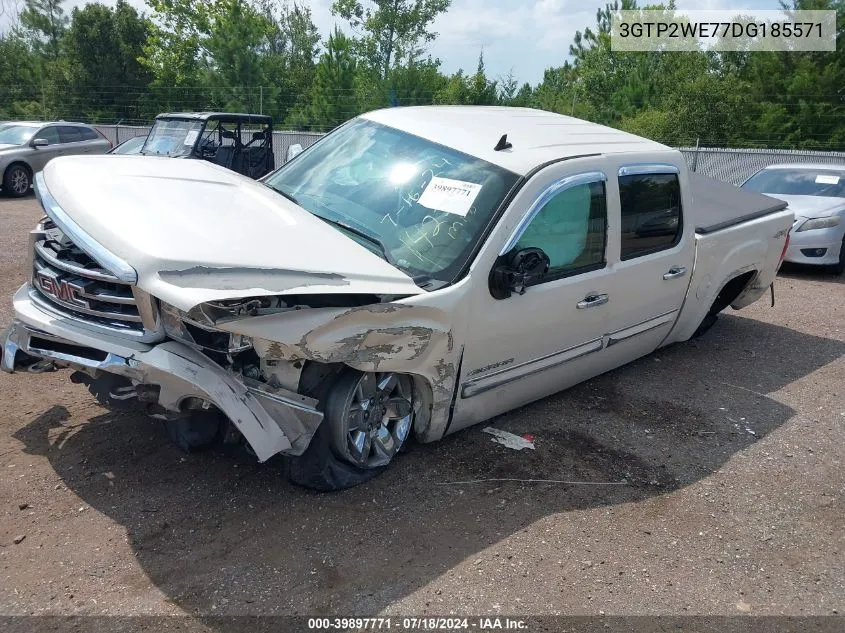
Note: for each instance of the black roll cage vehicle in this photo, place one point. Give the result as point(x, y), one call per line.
point(218, 137)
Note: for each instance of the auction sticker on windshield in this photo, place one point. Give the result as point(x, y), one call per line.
point(191, 137)
point(451, 196)
point(825, 179)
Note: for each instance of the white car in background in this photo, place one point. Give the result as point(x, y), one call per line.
point(816, 194)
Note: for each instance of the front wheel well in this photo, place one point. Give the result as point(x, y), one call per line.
point(18, 163)
point(317, 380)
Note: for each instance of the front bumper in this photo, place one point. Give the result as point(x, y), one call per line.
point(805, 247)
point(272, 420)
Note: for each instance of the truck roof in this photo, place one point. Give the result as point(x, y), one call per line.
point(537, 136)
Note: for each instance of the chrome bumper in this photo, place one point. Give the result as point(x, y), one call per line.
point(272, 420)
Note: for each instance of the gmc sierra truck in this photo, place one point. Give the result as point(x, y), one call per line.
point(416, 271)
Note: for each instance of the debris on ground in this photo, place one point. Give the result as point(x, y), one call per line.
point(510, 440)
point(19, 539)
point(41, 367)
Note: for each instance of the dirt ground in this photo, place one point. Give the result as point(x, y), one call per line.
point(732, 448)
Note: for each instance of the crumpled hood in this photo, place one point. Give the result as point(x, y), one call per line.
point(811, 206)
point(197, 232)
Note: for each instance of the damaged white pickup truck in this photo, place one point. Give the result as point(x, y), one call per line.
point(416, 271)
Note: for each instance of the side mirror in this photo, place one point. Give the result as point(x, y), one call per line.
point(293, 151)
point(38, 142)
point(517, 270)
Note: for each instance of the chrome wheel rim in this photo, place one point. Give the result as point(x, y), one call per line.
point(377, 419)
point(20, 180)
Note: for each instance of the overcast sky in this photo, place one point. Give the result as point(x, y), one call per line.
point(525, 36)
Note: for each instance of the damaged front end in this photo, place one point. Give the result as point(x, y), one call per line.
point(308, 363)
point(265, 363)
point(170, 379)
point(300, 341)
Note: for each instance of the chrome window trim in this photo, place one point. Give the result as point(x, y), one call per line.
point(107, 260)
point(548, 193)
point(635, 169)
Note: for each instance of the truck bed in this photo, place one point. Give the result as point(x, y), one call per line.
point(719, 205)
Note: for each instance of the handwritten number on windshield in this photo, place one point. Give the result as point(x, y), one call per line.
point(437, 223)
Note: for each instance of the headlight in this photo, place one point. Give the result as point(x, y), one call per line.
point(819, 223)
point(180, 326)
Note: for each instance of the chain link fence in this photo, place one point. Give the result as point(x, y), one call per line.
point(729, 165)
point(736, 165)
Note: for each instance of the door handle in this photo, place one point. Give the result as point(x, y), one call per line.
point(675, 272)
point(592, 300)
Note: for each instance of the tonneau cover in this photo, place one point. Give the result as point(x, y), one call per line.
point(719, 205)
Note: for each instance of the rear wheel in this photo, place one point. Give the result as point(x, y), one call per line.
point(17, 180)
point(368, 417)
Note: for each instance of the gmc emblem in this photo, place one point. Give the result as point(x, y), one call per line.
point(61, 290)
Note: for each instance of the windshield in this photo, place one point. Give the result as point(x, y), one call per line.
point(16, 134)
point(421, 205)
point(172, 137)
point(799, 182)
point(132, 146)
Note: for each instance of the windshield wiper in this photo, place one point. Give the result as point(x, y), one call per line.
point(283, 193)
point(372, 239)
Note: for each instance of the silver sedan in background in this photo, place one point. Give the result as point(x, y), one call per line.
point(26, 146)
point(816, 194)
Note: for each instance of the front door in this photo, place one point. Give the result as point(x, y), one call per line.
point(41, 155)
point(528, 346)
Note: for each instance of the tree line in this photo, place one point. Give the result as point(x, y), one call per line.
point(111, 63)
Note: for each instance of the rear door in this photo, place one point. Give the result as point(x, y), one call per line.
point(94, 142)
point(73, 141)
point(653, 258)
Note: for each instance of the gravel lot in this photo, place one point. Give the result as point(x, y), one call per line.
point(733, 447)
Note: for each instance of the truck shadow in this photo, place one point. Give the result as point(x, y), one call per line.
point(221, 534)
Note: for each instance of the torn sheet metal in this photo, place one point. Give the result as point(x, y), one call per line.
point(381, 337)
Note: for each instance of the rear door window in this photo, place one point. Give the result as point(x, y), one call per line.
point(88, 134)
point(651, 213)
point(69, 134)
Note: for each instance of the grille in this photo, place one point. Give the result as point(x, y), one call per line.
point(75, 285)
